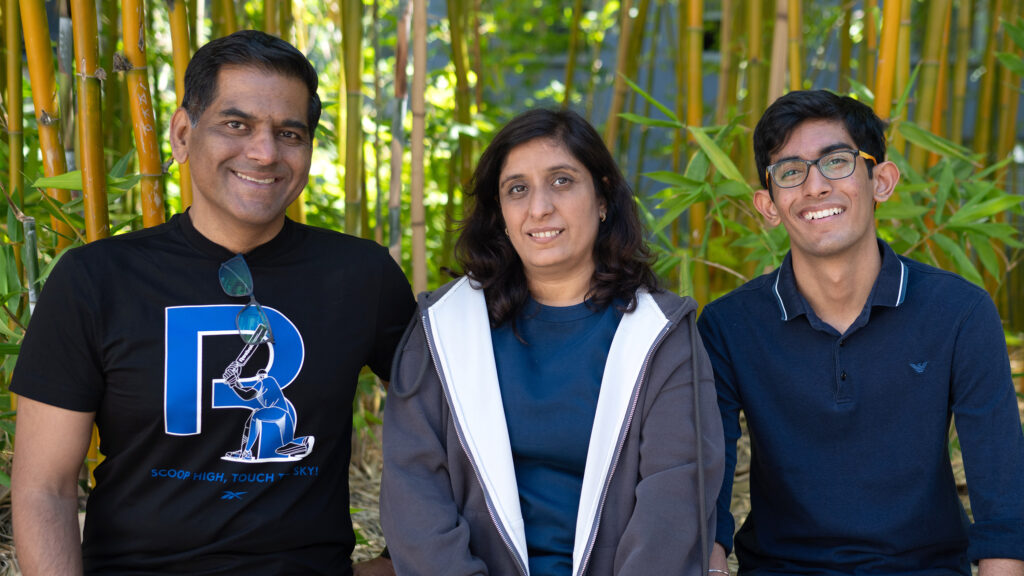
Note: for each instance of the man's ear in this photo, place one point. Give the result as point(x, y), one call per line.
point(884, 178)
point(181, 129)
point(766, 206)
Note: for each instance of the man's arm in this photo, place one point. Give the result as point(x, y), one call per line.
point(1000, 567)
point(50, 445)
point(719, 559)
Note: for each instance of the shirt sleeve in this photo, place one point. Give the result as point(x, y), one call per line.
point(60, 361)
point(729, 406)
point(395, 306)
point(989, 428)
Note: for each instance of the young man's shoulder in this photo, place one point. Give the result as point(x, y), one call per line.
point(935, 288)
point(756, 292)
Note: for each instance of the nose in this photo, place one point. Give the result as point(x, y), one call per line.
point(262, 146)
point(816, 183)
point(540, 202)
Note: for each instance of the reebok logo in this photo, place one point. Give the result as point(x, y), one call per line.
point(919, 366)
point(229, 495)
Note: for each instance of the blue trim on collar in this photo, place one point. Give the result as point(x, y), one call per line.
point(775, 288)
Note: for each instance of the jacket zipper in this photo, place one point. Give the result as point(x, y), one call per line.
point(618, 452)
point(472, 462)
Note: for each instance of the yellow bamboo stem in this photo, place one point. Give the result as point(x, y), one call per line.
point(270, 18)
point(963, 45)
point(44, 99)
point(90, 119)
point(352, 45)
point(619, 87)
point(181, 54)
point(13, 101)
point(417, 214)
point(870, 43)
point(902, 71)
point(230, 17)
point(845, 49)
point(886, 71)
point(928, 81)
point(938, 110)
point(986, 93)
point(398, 133)
point(680, 67)
point(779, 54)
point(795, 25)
point(755, 80)
point(727, 77)
point(141, 104)
point(694, 117)
point(570, 65)
point(285, 19)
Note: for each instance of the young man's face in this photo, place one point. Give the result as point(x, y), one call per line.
point(826, 218)
point(250, 151)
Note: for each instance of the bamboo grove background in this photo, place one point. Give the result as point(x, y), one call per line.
point(414, 89)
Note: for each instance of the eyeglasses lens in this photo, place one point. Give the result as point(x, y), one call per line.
point(834, 166)
point(236, 280)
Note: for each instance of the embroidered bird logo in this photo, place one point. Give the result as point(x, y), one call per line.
point(919, 366)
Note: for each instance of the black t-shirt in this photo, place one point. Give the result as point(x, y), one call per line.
point(137, 329)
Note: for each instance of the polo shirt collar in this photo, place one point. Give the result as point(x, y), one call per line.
point(890, 289)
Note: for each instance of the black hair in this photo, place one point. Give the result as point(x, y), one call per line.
point(789, 111)
point(621, 257)
point(246, 48)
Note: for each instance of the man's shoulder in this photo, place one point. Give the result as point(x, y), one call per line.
point(339, 244)
point(930, 283)
point(107, 249)
point(757, 291)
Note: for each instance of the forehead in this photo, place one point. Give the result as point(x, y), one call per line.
point(254, 89)
point(812, 138)
point(539, 153)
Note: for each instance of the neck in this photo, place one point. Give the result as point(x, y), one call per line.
point(561, 291)
point(838, 288)
point(234, 236)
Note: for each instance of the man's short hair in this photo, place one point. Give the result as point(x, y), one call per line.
point(246, 48)
point(785, 114)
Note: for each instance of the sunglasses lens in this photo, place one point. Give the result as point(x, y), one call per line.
point(253, 324)
point(235, 278)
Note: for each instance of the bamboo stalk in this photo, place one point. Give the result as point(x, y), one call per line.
point(928, 81)
point(870, 43)
point(352, 46)
point(90, 119)
point(463, 165)
point(13, 101)
point(230, 17)
point(681, 64)
point(193, 33)
point(270, 18)
point(416, 177)
point(570, 64)
point(285, 19)
point(845, 49)
point(963, 45)
point(902, 73)
point(886, 71)
point(611, 128)
point(1009, 99)
point(726, 99)
point(398, 132)
point(631, 70)
point(986, 92)
point(694, 116)
point(140, 102)
point(795, 26)
point(112, 104)
point(779, 54)
point(378, 110)
point(938, 126)
point(476, 61)
point(181, 55)
point(44, 99)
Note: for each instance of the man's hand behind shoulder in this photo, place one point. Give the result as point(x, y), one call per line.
point(376, 567)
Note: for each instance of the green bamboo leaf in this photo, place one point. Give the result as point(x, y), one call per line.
point(963, 263)
point(8, 349)
point(66, 181)
point(1015, 31)
point(697, 167)
point(985, 209)
point(986, 254)
point(862, 92)
point(921, 137)
point(673, 179)
point(645, 121)
point(1012, 62)
point(717, 156)
point(674, 207)
point(947, 184)
point(650, 99)
point(897, 210)
point(733, 189)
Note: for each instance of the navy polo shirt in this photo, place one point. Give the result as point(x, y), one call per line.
point(850, 467)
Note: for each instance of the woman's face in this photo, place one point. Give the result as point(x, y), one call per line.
point(551, 211)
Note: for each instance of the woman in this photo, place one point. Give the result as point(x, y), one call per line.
point(540, 418)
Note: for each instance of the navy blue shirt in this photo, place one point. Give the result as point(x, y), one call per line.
point(549, 389)
point(850, 467)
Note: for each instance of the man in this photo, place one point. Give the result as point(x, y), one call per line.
point(848, 362)
point(133, 333)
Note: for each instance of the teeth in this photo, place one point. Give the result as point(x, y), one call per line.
point(256, 180)
point(548, 234)
point(822, 213)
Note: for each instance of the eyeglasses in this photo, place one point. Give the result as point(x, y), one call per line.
point(834, 166)
point(251, 321)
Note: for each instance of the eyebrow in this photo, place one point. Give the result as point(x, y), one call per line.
point(822, 151)
point(556, 168)
point(233, 112)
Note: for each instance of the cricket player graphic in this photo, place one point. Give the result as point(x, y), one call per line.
point(269, 432)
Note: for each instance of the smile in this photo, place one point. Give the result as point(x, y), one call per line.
point(545, 234)
point(256, 180)
point(819, 214)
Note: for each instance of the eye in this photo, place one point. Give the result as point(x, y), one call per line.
point(836, 161)
point(515, 190)
point(234, 124)
point(562, 181)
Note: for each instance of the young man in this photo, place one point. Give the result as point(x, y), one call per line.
point(849, 362)
point(140, 334)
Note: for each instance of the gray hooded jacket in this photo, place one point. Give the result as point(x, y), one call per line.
point(449, 501)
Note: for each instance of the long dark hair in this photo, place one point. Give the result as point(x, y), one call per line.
point(621, 257)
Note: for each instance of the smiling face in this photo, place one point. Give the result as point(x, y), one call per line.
point(552, 212)
point(249, 155)
point(827, 218)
